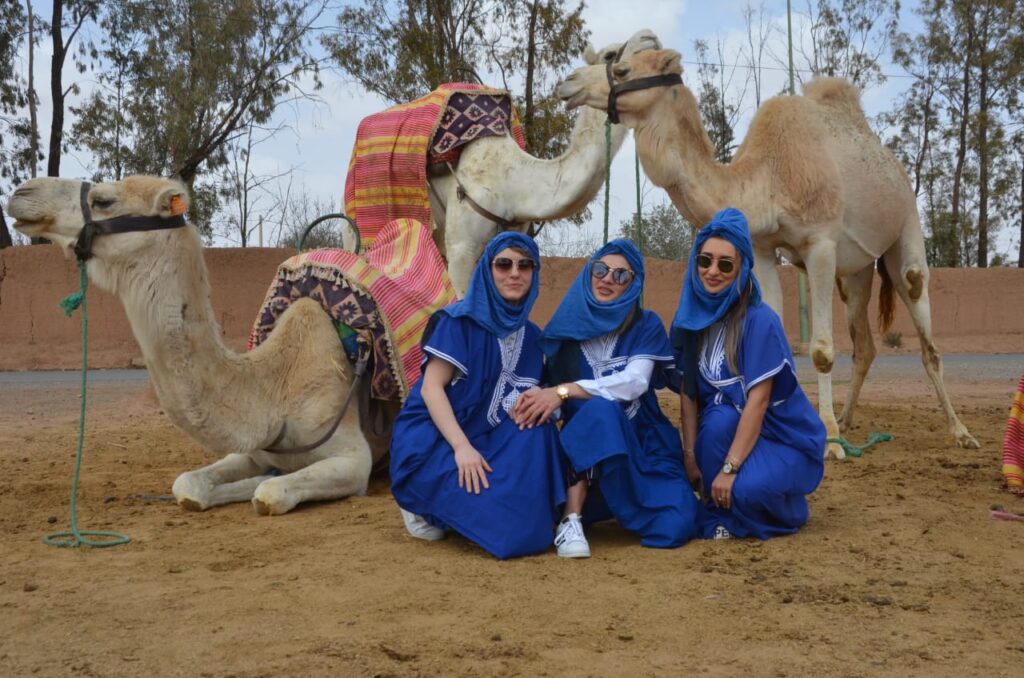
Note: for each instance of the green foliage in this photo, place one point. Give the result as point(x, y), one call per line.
point(666, 234)
point(15, 132)
point(402, 51)
point(848, 37)
point(181, 80)
point(719, 116)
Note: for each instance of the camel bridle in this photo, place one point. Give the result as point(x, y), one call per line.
point(124, 224)
point(616, 90)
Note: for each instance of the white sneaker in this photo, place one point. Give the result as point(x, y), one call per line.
point(722, 533)
point(420, 528)
point(570, 540)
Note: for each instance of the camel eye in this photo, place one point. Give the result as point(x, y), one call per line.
point(620, 72)
point(101, 203)
point(608, 57)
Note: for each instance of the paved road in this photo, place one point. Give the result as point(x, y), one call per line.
point(968, 366)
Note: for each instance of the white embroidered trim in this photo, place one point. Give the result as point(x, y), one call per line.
point(511, 348)
point(448, 359)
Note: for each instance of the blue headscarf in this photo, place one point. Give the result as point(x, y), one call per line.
point(483, 303)
point(699, 308)
point(580, 315)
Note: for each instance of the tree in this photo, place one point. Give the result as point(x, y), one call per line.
point(13, 153)
point(406, 49)
point(719, 115)
point(848, 37)
point(201, 71)
point(80, 11)
point(666, 234)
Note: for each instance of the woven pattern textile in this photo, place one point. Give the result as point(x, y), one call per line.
point(387, 174)
point(388, 294)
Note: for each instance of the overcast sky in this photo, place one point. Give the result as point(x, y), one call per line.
point(321, 137)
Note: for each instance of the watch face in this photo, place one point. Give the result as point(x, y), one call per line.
point(727, 468)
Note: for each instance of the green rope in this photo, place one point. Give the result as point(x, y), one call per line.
point(639, 219)
point(607, 173)
point(853, 451)
point(75, 536)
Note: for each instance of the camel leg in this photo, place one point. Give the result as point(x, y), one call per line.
point(820, 259)
point(768, 275)
point(856, 293)
point(346, 472)
point(233, 478)
point(909, 272)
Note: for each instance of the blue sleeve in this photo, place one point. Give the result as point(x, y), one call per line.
point(765, 353)
point(450, 341)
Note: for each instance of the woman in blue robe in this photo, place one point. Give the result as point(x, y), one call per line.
point(759, 444)
point(458, 461)
point(606, 356)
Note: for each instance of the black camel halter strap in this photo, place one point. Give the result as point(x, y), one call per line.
point(615, 90)
point(125, 224)
point(463, 195)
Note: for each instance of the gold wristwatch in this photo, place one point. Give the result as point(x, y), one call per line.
point(730, 467)
point(563, 391)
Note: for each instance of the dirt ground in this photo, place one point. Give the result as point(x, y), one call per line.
point(899, 572)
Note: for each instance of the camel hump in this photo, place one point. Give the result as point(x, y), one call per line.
point(837, 94)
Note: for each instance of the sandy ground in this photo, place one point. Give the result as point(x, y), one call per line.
point(899, 572)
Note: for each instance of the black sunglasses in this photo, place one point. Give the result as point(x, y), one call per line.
point(724, 265)
point(620, 276)
point(505, 264)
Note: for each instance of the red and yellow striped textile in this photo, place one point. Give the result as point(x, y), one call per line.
point(387, 174)
point(404, 275)
point(1013, 444)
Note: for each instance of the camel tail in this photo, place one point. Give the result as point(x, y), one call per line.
point(885, 298)
point(837, 94)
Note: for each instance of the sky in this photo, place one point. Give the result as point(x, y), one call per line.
point(318, 142)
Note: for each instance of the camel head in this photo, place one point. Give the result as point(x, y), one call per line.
point(51, 208)
point(639, 41)
point(588, 85)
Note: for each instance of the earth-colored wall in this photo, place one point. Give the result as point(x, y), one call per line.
point(973, 310)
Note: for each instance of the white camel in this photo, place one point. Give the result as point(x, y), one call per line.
point(513, 185)
point(285, 393)
point(813, 180)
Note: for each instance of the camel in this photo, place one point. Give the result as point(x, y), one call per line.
point(512, 184)
point(285, 393)
point(814, 181)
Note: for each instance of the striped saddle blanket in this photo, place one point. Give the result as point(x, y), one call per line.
point(387, 174)
point(386, 294)
point(1013, 444)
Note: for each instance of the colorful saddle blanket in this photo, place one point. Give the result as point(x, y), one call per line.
point(386, 294)
point(1013, 444)
point(387, 174)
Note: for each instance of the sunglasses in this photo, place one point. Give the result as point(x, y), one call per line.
point(724, 265)
point(620, 276)
point(506, 264)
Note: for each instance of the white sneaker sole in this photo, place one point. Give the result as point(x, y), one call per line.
point(574, 552)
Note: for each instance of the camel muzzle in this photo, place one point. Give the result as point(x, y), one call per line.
point(123, 224)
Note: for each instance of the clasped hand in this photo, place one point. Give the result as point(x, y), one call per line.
point(535, 406)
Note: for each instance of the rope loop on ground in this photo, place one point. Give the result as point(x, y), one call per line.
point(852, 450)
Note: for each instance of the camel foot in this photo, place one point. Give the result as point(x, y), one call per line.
point(965, 440)
point(272, 499)
point(190, 504)
point(835, 450)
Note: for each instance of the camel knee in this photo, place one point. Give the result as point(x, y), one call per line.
point(823, 355)
point(930, 357)
point(915, 283)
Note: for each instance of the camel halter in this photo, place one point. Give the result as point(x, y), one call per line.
point(92, 228)
point(615, 90)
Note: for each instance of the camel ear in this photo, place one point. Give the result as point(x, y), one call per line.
point(590, 55)
point(670, 62)
point(172, 201)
